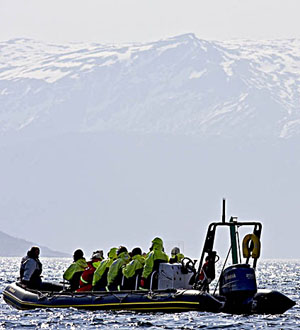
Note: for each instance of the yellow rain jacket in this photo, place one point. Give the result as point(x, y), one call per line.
point(157, 253)
point(123, 259)
point(104, 265)
point(77, 266)
point(137, 263)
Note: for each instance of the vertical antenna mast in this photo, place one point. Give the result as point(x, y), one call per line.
point(223, 210)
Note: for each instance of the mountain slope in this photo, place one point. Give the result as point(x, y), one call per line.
point(17, 247)
point(182, 85)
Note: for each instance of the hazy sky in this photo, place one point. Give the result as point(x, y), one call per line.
point(142, 20)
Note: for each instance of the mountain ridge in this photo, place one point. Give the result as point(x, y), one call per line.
point(17, 247)
point(180, 85)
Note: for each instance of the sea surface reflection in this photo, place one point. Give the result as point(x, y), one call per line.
point(281, 275)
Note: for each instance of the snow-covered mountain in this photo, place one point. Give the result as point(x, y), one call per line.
point(182, 85)
point(102, 145)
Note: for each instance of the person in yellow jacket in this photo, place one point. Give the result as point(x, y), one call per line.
point(100, 275)
point(74, 271)
point(176, 256)
point(133, 269)
point(114, 275)
point(154, 258)
point(86, 278)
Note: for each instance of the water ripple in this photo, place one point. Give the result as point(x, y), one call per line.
point(281, 275)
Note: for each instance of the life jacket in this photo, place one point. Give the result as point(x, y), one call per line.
point(155, 257)
point(75, 267)
point(22, 267)
point(176, 258)
point(208, 270)
point(87, 276)
point(100, 274)
point(114, 275)
point(203, 274)
point(134, 267)
point(131, 271)
point(74, 271)
point(35, 279)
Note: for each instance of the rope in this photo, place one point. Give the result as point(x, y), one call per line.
point(222, 270)
point(238, 239)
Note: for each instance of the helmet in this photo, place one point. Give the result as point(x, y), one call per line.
point(175, 250)
point(97, 254)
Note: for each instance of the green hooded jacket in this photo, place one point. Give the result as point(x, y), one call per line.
point(137, 263)
point(123, 259)
point(77, 266)
point(176, 257)
point(157, 253)
point(112, 255)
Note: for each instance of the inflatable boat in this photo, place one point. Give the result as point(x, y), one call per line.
point(178, 287)
point(155, 301)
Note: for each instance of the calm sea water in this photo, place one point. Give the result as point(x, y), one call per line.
point(281, 275)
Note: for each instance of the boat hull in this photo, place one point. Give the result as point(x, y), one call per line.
point(166, 301)
point(263, 302)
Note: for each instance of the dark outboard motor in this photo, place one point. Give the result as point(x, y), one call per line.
point(238, 285)
point(238, 281)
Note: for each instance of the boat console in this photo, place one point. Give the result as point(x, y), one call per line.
point(174, 276)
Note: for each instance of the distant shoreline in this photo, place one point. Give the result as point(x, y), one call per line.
point(17, 247)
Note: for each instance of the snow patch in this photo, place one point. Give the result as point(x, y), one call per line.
point(48, 75)
point(197, 74)
point(4, 91)
point(167, 47)
point(87, 67)
point(26, 123)
point(227, 67)
point(290, 128)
